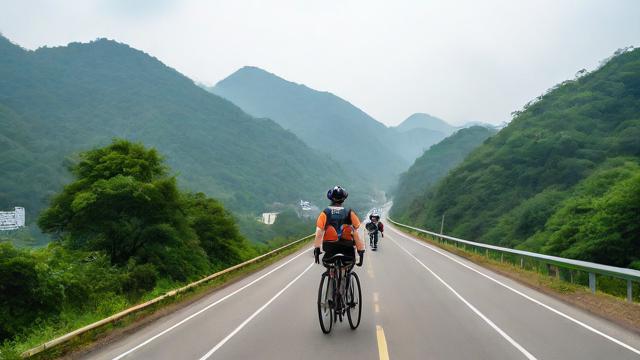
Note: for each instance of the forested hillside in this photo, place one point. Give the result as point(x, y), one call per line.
point(327, 123)
point(433, 165)
point(562, 177)
point(57, 101)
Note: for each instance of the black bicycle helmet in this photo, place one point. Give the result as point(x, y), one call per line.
point(337, 194)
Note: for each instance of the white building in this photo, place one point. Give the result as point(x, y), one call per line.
point(305, 205)
point(269, 218)
point(12, 220)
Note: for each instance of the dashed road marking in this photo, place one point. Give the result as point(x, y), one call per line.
point(382, 343)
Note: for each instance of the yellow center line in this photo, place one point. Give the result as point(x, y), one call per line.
point(376, 308)
point(382, 343)
point(375, 296)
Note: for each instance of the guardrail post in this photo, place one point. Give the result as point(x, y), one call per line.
point(501, 257)
point(592, 282)
point(522, 262)
point(629, 291)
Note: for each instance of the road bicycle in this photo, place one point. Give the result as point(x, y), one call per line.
point(339, 293)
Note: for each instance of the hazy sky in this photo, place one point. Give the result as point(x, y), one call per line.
point(459, 60)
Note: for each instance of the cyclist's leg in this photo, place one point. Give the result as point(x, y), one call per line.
point(375, 240)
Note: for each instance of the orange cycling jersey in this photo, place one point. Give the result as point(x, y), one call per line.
point(348, 229)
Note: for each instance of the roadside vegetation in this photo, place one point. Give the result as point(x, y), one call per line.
point(124, 233)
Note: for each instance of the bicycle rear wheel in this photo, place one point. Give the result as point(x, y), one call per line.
point(325, 304)
point(354, 301)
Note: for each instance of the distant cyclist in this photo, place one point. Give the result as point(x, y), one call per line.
point(374, 226)
point(336, 229)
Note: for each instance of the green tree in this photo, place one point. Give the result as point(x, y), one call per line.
point(121, 201)
point(216, 229)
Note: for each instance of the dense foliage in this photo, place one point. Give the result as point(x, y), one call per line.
point(328, 123)
point(433, 165)
point(57, 101)
point(531, 184)
point(123, 229)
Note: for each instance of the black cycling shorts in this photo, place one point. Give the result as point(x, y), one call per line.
point(345, 247)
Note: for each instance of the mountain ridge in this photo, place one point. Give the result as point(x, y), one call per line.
point(325, 122)
point(89, 93)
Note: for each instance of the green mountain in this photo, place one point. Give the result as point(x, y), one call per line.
point(55, 102)
point(327, 123)
point(433, 165)
point(428, 122)
point(562, 177)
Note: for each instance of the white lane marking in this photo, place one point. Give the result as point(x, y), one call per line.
point(236, 330)
point(208, 307)
point(473, 308)
point(375, 296)
point(558, 312)
point(376, 308)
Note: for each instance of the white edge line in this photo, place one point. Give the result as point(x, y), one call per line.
point(558, 312)
point(244, 323)
point(495, 327)
point(207, 307)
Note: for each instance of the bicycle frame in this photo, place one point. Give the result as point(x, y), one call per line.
point(338, 278)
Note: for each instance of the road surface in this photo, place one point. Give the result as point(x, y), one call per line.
point(419, 302)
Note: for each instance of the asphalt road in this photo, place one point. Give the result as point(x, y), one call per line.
point(419, 302)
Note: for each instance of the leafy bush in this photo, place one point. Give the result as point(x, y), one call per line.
point(27, 292)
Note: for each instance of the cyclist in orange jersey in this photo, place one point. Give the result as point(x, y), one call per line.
point(336, 229)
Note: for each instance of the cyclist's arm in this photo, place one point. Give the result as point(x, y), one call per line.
point(359, 242)
point(319, 236)
point(320, 224)
point(355, 222)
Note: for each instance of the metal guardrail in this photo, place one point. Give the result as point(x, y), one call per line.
point(98, 324)
point(592, 269)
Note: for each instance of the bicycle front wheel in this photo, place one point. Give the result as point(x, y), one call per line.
point(354, 301)
point(325, 304)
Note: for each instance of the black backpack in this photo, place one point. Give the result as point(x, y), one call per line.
point(337, 217)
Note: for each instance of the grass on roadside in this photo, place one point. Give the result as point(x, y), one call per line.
point(71, 320)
